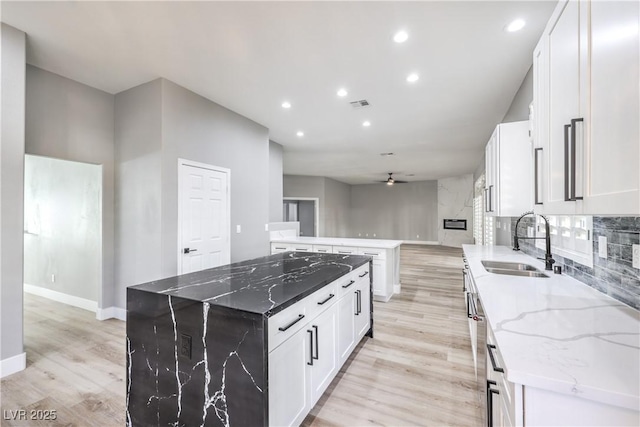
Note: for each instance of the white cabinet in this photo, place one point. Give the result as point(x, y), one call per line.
point(327, 249)
point(289, 398)
point(277, 248)
point(310, 340)
point(587, 105)
point(509, 170)
point(345, 250)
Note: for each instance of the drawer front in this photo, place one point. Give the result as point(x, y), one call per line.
point(345, 250)
point(376, 253)
point(323, 249)
point(279, 247)
point(286, 323)
point(352, 280)
point(301, 247)
point(322, 299)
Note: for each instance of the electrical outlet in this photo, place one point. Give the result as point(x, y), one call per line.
point(636, 256)
point(374, 234)
point(238, 229)
point(366, 235)
point(266, 227)
point(53, 278)
point(417, 236)
point(602, 246)
point(359, 234)
point(185, 346)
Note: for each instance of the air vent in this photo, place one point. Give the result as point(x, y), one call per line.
point(360, 104)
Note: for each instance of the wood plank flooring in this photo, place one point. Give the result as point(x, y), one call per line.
point(417, 371)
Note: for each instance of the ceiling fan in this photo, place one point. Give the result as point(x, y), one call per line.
point(391, 180)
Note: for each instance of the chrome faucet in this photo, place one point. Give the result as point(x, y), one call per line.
point(548, 259)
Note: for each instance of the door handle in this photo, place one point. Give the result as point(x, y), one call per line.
point(188, 250)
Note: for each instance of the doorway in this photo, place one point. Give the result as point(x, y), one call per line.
point(204, 217)
point(303, 210)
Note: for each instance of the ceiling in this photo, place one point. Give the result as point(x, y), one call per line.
point(252, 56)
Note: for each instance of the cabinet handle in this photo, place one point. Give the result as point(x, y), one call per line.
point(567, 197)
point(363, 274)
point(486, 203)
point(573, 159)
point(491, 198)
point(317, 347)
point(284, 328)
point(325, 300)
point(371, 253)
point(536, 177)
point(345, 252)
point(490, 393)
point(322, 250)
point(496, 368)
point(310, 362)
point(357, 303)
point(280, 248)
point(302, 249)
point(348, 284)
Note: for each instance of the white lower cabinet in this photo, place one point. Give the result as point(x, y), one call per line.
point(303, 365)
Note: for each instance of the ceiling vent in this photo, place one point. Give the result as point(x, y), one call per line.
point(360, 104)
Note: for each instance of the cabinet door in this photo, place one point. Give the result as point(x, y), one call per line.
point(363, 310)
point(325, 356)
point(563, 38)
point(346, 325)
point(611, 125)
point(540, 121)
point(380, 285)
point(289, 396)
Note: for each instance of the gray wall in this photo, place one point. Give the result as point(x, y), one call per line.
point(275, 182)
point(138, 186)
point(71, 121)
point(307, 218)
point(307, 186)
point(13, 51)
point(402, 211)
point(63, 226)
point(519, 108)
point(195, 128)
point(337, 202)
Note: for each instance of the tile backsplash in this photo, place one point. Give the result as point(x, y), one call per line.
point(615, 275)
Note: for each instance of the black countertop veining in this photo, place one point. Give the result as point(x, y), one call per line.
point(263, 285)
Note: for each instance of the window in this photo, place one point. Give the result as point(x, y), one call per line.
point(570, 237)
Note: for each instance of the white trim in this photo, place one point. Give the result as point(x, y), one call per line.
point(111, 313)
point(317, 209)
point(13, 364)
point(185, 162)
point(421, 242)
point(74, 301)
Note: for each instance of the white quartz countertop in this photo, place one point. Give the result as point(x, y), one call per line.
point(341, 241)
point(559, 334)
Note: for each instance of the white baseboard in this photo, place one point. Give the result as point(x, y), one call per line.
point(111, 313)
point(13, 364)
point(63, 298)
point(420, 242)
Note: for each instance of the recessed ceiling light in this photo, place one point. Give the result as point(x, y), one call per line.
point(516, 25)
point(300, 133)
point(286, 104)
point(366, 123)
point(342, 92)
point(400, 37)
point(413, 77)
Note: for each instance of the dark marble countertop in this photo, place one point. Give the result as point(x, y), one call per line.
point(263, 285)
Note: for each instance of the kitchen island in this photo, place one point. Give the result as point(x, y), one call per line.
point(385, 254)
point(251, 343)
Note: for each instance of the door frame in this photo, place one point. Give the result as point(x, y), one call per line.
point(316, 204)
point(191, 163)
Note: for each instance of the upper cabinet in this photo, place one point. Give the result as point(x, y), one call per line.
point(587, 110)
point(508, 170)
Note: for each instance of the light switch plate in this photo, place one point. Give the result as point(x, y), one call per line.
point(602, 246)
point(636, 256)
point(266, 227)
point(238, 229)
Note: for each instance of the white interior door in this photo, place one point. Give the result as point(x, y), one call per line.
point(204, 220)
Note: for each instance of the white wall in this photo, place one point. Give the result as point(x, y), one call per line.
point(63, 226)
point(455, 201)
point(71, 121)
point(12, 143)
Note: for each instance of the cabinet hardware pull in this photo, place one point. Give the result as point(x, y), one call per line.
point(536, 178)
point(491, 198)
point(573, 159)
point(490, 393)
point(363, 274)
point(316, 356)
point(371, 253)
point(302, 249)
point(322, 250)
point(486, 203)
point(567, 197)
point(357, 304)
point(324, 301)
point(310, 362)
point(359, 301)
point(348, 284)
point(345, 252)
point(496, 368)
point(280, 248)
point(284, 328)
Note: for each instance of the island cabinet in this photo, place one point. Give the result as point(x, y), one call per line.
point(252, 343)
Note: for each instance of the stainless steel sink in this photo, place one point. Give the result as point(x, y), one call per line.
point(508, 266)
point(523, 273)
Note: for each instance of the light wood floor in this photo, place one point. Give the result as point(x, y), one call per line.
point(416, 372)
